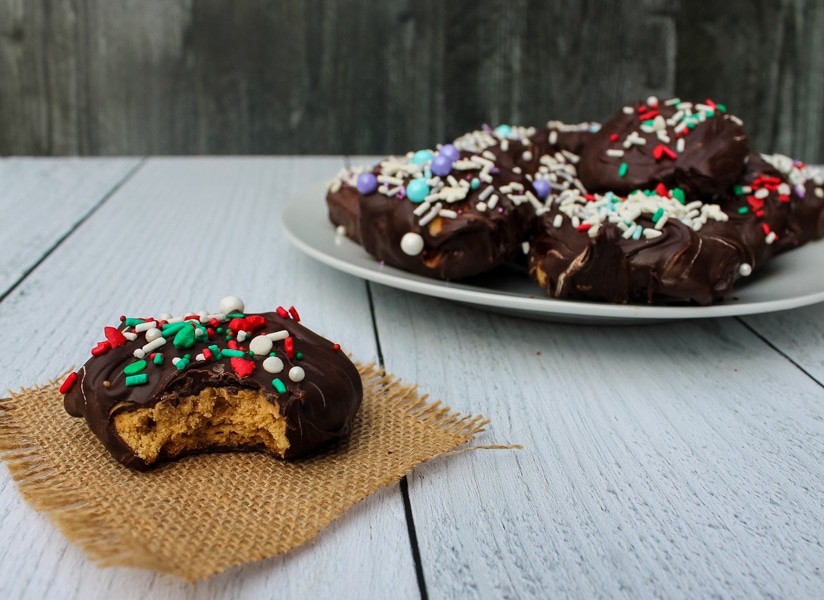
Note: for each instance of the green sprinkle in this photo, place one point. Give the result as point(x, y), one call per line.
point(185, 338)
point(233, 353)
point(219, 330)
point(691, 125)
point(158, 359)
point(679, 195)
point(182, 364)
point(721, 107)
point(648, 123)
point(743, 210)
point(171, 328)
point(236, 316)
point(299, 355)
point(135, 367)
point(279, 385)
point(141, 379)
point(738, 190)
point(622, 170)
point(132, 322)
point(710, 113)
point(272, 354)
point(658, 214)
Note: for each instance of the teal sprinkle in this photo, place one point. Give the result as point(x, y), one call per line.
point(622, 170)
point(272, 354)
point(236, 316)
point(172, 328)
point(182, 364)
point(233, 353)
point(158, 359)
point(636, 235)
point(721, 107)
point(279, 385)
point(743, 210)
point(475, 183)
point(133, 380)
point(130, 322)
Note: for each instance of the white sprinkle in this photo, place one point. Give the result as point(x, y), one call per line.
point(272, 364)
point(430, 216)
point(652, 101)
point(576, 222)
point(452, 181)
point(671, 102)
point(819, 192)
point(784, 189)
point(558, 221)
point(628, 110)
point(175, 360)
point(412, 243)
point(745, 270)
point(278, 335)
point(486, 192)
point(153, 345)
point(517, 170)
point(140, 328)
point(139, 353)
point(571, 157)
point(153, 334)
point(526, 156)
point(422, 208)
point(629, 230)
point(340, 230)
point(651, 234)
point(446, 213)
point(659, 123)
point(680, 145)
point(771, 237)
point(504, 144)
point(662, 135)
point(493, 201)
point(200, 357)
point(615, 152)
point(661, 222)
point(761, 193)
point(487, 154)
point(389, 180)
point(260, 345)
point(525, 247)
point(231, 304)
point(296, 374)
point(129, 335)
point(480, 207)
point(736, 120)
point(553, 137)
point(165, 316)
point(241, 336)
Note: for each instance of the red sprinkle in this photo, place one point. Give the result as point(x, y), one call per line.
point(242, 366)
point(207, 353)
point(642, 109)
point(710, 103)
point(237, 324)
point(584, 226)
point(613, 137)
point(294, 312)
point(649, 115)
point(289, 346)
point(101, 348)
point(214, 322)
point(666, 150)
point(765, 228)
point(232, 345)
point(191, 317)
point(661, 190)
point(282, 312)
point(254, 322)
point(784, 198)
point(590, 197)
point(67, 385)
point(114, 337)
point(335, 346)
point(759, 213)
point(755, 203)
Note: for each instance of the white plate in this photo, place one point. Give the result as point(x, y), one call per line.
point(792, 280)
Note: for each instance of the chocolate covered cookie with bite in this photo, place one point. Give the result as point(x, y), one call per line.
point(158, 388)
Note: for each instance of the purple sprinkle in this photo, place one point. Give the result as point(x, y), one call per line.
point(450, 152)
point(441, 165)
point(460, 211)
point(542, 188)
point(799, 189)
point(494, 170)
point(486, 127)
point(367, 183)
point(500, 209)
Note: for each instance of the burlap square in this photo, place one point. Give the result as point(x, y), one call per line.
point(204, 514)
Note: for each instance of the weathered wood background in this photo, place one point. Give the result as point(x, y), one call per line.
point(323, 76)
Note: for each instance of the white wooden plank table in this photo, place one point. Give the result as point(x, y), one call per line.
point(676, 460)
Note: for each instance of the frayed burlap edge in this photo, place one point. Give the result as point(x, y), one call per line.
point(109, 542)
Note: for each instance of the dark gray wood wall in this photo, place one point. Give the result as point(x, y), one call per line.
point(323, 76)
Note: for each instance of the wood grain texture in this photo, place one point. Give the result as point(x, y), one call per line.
point(41, 201)
point(661, 461)
point(182, 233)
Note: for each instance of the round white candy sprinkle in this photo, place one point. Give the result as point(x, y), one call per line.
point(261, 345)
point(165, 316)
point(412, 243)
point(139, 353)
point(296, 374)
point(272, 364)
point(231, 304)
point(152, 334)
point(241, 336)
point(745, 270)
point(340, 230)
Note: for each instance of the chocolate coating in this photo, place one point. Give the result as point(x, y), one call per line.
point(317, 409)
point(713, 158)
